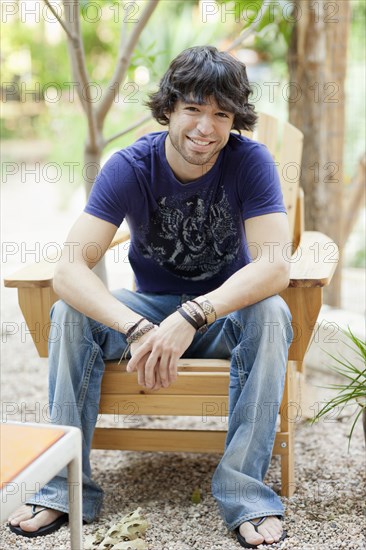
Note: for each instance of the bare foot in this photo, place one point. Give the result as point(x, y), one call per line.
point(22, 517)
point(269, 531)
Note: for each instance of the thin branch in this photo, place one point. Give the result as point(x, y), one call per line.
point(124, 32)
point(76, 16)
point(80, 71)
point(124, 56)
point(72, 41)
point(63, 23)
point(247, 32)
point(128, 129)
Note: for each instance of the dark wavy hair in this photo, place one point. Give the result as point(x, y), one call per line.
point(198, 73)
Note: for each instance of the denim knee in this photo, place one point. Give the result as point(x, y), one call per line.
point(268, 320)
point(68, 326)
point(61, 310)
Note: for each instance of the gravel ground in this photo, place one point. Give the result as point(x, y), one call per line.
point(326, 512)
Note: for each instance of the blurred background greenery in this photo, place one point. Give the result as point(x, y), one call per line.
point(40, 104)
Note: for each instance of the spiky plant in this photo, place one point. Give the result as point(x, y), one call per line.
point(353, 389)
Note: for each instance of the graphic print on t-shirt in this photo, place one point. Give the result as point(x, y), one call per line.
point(191, 237)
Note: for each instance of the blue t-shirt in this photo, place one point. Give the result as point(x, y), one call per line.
point(186, 238)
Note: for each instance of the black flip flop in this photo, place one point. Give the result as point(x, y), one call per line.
point(45, 530)
point(246, 544)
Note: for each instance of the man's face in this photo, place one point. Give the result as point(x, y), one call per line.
point(197, 133)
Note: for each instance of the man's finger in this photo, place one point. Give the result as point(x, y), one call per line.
point(140, 365)
point(158, 383)
point(173, 367)
point(163, 369)
point(138, 355)
point(141, 375)
point(150, 365)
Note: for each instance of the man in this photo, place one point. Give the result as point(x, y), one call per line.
point(204, 206)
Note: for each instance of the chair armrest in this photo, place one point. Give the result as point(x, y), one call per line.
point(314, 261)
point(121, 236)
point(40, 275)
point(313, 264)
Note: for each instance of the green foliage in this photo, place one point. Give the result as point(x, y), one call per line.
point(175, 25)
point(273, 33)
point(357, 35)
point(29, 55)
point(100, 25)
point(353, 389)
point(183, 28)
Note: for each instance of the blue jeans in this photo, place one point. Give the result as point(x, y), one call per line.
point(257, 340)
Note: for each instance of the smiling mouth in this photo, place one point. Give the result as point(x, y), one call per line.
point(200, 142)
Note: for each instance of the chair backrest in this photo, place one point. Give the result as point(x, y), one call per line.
point(285, 143)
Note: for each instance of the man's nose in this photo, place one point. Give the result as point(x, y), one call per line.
point(205, 125)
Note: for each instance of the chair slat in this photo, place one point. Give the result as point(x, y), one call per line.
point(289, 168)
point(267, 132)
point(187, 383)
point(164, 405)
point(194, 441)
point(184, 365)
point(247, 134)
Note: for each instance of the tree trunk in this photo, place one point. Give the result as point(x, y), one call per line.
point(317, 66)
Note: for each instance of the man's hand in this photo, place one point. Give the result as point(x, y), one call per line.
point(155, 355)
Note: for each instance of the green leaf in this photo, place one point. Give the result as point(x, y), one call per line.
point(196, 496)
point(353, 390)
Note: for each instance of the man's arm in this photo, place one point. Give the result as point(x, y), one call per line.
point(77, 284)
point(267, 275)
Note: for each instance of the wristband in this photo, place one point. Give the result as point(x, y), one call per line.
point(188, 318)
point(207, 309)
point(134, 327)
point(139, 333)
point(192, 311)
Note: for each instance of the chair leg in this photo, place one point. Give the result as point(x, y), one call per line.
point(288, 484)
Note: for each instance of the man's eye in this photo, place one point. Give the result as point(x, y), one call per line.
point(223, 115)
point(191, 109)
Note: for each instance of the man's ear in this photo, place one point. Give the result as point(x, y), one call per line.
point(167, 114)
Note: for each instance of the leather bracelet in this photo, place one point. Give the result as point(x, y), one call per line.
point(188, 318)
point(200, 319)
point(203, 329)
point(134, 327)
point(207, 309)
point(139, 333)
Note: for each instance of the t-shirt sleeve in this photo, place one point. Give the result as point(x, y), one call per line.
point(109, 195)
point(259, 184)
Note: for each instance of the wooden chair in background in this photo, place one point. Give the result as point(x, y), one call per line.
point(202, 386)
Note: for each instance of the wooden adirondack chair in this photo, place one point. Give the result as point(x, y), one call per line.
point(202, 386)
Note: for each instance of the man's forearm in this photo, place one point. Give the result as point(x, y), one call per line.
point(85, 292)
point(254, 282)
